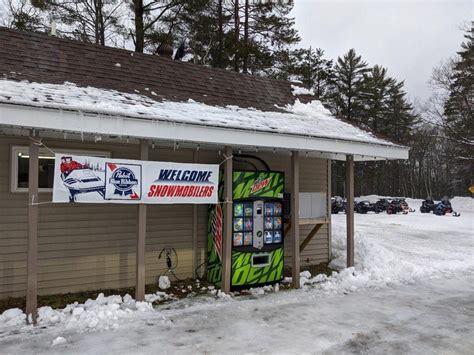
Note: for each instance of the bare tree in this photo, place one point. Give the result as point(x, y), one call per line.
point(21, 15)
point(95, 21)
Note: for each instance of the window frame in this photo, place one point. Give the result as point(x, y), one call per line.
point(15, 149)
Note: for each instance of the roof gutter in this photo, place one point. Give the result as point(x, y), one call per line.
point(93, 123)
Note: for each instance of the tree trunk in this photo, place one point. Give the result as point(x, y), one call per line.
point(139, 30)
point(246, 38)
point(96, 22)
point(220, 36)
point(100, 16)
point(236, 34)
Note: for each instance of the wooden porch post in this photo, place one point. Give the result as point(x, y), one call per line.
point(227, 235)
point(195, 227)
point(140, 264)
point(32, 261)
point(329, 211)
point(295, 218)
point(350, 209)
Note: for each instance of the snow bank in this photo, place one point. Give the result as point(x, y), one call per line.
point(310, 119)
point(101, 313)
point(13, 316)
point(397, 249)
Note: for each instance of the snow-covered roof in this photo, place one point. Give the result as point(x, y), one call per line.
point(303, 119)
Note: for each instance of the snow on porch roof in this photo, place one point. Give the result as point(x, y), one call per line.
point(310, 119)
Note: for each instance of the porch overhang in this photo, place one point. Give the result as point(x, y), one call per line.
point(33, 117)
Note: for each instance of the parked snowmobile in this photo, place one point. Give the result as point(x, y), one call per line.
point(382, 204)
point(444, 207)
point(79, 178)
point(338, 204)
point(428, 205)
point(399, 205)
point(405, 206)
point(365, 206)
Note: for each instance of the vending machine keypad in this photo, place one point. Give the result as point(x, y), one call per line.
point(258, 229)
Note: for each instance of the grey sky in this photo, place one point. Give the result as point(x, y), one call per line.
point(408, 37)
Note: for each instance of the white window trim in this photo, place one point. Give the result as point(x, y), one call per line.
point(15, 149)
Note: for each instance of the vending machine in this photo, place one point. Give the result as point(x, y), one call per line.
point(257, 230)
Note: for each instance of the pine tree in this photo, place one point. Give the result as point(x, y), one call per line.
point(154, 23)
point(312, 69)
point(267, 30)
point(459, 118)
point(375, 89)
point(205, 25)
point(349, 72)
point(246, 36)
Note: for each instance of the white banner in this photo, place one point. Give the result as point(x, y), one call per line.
point(104, 180)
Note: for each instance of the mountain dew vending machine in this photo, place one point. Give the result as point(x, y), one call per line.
point(257, 230)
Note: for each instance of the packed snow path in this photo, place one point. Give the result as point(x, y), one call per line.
point(412, 291)
point(433, 317)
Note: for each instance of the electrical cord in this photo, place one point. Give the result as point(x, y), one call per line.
point(169, 254)
point(196, 271)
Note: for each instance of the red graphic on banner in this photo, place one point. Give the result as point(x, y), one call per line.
point(112, 166)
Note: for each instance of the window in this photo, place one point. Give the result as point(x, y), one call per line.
point(20, 167)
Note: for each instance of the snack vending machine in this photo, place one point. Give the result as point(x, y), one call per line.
point(257, 230)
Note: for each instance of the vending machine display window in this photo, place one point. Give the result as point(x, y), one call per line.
point(273, 223)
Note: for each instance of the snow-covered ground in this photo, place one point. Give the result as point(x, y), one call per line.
point(412, 291)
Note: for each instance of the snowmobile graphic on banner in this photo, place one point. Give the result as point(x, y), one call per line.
point(257, 230)
point(80, 178)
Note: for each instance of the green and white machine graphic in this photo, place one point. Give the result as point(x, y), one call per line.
point(257, 231)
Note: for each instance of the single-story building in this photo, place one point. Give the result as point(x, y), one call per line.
point(59, 95)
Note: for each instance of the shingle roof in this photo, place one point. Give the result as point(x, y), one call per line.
point(46, 59)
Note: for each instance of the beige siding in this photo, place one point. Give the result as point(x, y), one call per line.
point(89, 246)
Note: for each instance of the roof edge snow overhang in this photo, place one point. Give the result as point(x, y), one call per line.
point(155, 129)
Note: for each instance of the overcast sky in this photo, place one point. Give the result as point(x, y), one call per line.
point(408, 37)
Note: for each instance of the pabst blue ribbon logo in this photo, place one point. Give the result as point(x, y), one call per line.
point(124, 180)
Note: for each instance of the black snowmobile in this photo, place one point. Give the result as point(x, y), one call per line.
point(338, 204)
point(382, 204)
point(428, 205)
point(365, 206)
